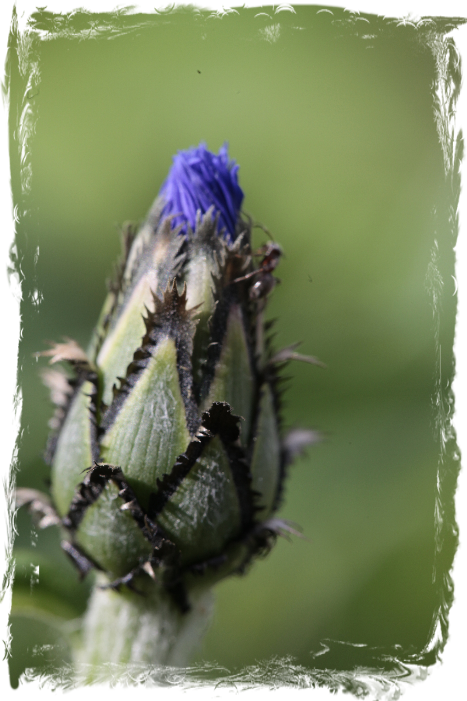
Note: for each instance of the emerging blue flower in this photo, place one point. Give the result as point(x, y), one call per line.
point(199, 179)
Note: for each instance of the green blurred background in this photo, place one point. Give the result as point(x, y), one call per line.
point(330, 117)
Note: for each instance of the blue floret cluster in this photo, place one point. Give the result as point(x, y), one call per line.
point(198, 180)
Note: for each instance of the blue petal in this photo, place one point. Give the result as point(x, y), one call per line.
point(198, 180)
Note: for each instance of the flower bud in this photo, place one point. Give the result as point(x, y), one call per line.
point(167, 456)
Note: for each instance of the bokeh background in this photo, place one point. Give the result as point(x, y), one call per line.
point(332, 119)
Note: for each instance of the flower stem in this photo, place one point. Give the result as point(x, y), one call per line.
point(127, 633)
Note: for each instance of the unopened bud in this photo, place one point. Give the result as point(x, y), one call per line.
point(168, 460)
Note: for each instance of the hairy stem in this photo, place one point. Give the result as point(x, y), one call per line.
point(136, 648)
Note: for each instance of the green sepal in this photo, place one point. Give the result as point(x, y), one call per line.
point(265, 462)
point(150, 428)
point(74, 449)
point(111, 536)
point(204, 251)
point(204, 512)
point(233, 380)
point(119, 346)
point(154, 260)
point(32, 586)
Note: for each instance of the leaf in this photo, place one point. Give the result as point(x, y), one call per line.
point(32, 586)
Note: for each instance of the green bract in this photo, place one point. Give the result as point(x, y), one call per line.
point(167, 456)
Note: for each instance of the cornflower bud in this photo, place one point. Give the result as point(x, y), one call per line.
point(167, 454)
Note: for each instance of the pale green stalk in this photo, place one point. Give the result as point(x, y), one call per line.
point(136, 648)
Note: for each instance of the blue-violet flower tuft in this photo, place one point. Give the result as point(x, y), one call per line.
point(198, 180)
